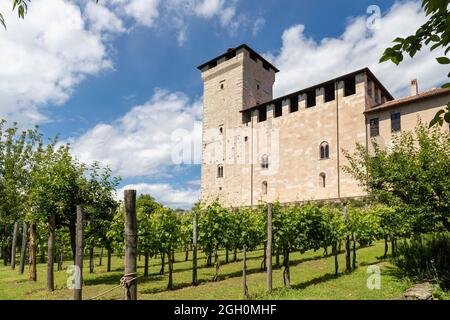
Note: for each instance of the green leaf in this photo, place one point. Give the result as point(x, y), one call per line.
point(446, 85)
point(437, 119)
point(443, 60)
point(2, 21)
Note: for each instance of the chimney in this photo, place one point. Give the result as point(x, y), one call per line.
point(414, 87)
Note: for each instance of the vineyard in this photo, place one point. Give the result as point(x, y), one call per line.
point(57, 212)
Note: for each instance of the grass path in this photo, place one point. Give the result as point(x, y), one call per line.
point(311, 278)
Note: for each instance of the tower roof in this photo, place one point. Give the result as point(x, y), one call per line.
point(232, 52)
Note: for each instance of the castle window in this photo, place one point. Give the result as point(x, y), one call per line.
point(349, 86)
point(369, 88)
point(222, 86)
point(265, 161)
point(374, 127)
point(293, 104)
point(221, 130)
point(323, 180)
point(278, 109)
point(262, 114)
point(311, 99)
point(329, 92)
point(258, 87)
point(264, 188)
point(324, 150)
point(396, 122)
point(220, 171)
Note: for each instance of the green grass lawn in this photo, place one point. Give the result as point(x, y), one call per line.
point(312, 277)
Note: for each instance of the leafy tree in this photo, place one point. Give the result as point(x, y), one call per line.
point(413, 175)
point(435, 31)
point(334, 231)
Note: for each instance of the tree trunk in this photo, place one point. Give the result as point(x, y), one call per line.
point(217, 260)
point(336, 262)
point(325, 251)
point(186, 257)
point(60, 261)
point(286, 272)
point(14, 244)
point(163, 258)
point(244, 274)
point(194, 250)
point(209, 260)
point(131, 244)
point(173, 256)
point(393, 247)
point(91, 260)
point(79, 251)
point(73, 234)
point(348, 265)
point(354, 252)
point(146, 265)
point(386, 247)
point(269, 248)
point(33, 252)
point(108, 268)
point(51, 253)
point(23, 249)
point(100, 260)
point(227, 257)
point(277, 260)
point(264, 261)
point(170, 255)
point(235, 255)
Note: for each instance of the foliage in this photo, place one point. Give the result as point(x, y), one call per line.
point(426, 258)
point(435, 31)
point(413, 175)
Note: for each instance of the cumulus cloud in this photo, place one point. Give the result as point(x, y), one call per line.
point(176, 198)
point(102, 19)
point(304, 61)
point(44, 57)
point(149, 140)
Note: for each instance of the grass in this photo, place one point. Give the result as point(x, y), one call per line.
point(312, 277)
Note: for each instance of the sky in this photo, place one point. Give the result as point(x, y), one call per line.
point(118, 80)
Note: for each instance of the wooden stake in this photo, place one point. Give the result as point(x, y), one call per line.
point(79, 249)
point(32, 250)
point(348, 266)
point(269, 248)
point(14, 244)
point(23, 249)
point(194, 250)
point(51, 253)
point(130, 245)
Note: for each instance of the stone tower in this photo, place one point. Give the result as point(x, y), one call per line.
point(233, 81)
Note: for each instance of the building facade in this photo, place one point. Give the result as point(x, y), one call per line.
point(290, 149)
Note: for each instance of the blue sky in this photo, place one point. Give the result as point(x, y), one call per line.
point(103, 78)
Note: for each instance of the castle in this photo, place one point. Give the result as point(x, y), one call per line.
point(289, 149)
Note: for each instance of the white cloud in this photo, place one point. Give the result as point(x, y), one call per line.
point(304, 61)
point(102, 19)
point(182, 198)
point(44, 57)
point(258, 25)
point(141, 143)
point(143, 11)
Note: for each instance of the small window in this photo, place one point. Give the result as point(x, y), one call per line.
point(278, 109)
point(264, 188)
point(245, 139)
point(265, 161)
point(329, 92)
point(258, 87)
point(374, 127)
point(222, 86)
point(369, 88)
point(293, 104)
point(323, 180)
point(311, 99)
point(396, 122)
point(324, 150)
point(349, 86)
point(262, 114)
point(220, 171)
point(221, 130)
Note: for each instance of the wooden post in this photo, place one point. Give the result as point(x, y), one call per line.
point(32, 250)
point(14, 244)
point(79, 249)
point(348, 266)
point(130, 245)
point(244, 273)
point(51, 252)
point(23, 249)
point(269, 248)
point(194, 250)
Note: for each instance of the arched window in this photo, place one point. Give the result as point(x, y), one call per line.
point(323, 180)
point(220, 171)
point(264, 188)
point(324, 150)
point(265, 161)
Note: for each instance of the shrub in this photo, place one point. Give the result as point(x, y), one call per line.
point(426, 258)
